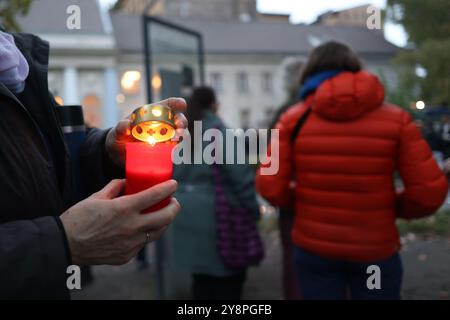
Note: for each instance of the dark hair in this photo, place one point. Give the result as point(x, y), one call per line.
point(331, 55)
point(201, 99)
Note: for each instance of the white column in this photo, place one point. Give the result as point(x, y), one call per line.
point(71, 94)
point(110, 109)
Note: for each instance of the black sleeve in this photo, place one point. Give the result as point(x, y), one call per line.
point(96, 168)
point(33, 260)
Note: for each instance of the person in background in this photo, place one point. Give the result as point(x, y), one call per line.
point(446, 164)
point(41, 232)
point(434, 140)
point(431, 136)
point(292, 70)
point(343, 158)
point(446, 136)
point(195, 232)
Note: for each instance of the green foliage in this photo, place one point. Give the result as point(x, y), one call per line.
point(268, 224)
point(428, 26)
point(438, 224)
point(407, 87)
point(118, 5)
point(422, 19)
point(434, 56)
point(10, 9)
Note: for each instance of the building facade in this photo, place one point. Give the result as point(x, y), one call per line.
point(244, 10)
point(101, 65)
point(352, 17)
point(83, 62)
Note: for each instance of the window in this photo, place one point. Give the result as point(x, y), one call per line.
point(55, 85)
point(216, 82)
point(245, 118)
point(243, 84)
point(267, 83)
point(130, 81)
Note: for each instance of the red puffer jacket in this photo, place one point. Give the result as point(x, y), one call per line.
point(343, 161)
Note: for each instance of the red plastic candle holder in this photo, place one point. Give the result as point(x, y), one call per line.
point(149, 159)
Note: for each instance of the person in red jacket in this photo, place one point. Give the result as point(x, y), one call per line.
point(342, 160)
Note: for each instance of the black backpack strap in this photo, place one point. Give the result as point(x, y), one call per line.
point(300, 123)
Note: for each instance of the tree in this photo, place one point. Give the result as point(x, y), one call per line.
point(423, 20)
point(117, 6)
point(428, 26)
point(9, 10)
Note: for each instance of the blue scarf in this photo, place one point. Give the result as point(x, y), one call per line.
point(14, 68)
point(314, 81)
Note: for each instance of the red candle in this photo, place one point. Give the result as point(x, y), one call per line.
point(146, 166)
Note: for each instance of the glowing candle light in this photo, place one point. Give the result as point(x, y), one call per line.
point(149, 158)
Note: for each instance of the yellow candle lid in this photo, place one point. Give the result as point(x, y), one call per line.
point(153, 123)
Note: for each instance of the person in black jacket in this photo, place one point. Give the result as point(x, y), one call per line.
point(40, 234)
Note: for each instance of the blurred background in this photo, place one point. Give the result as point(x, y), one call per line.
point(242, 48)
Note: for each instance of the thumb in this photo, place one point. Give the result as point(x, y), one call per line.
point(111, 190)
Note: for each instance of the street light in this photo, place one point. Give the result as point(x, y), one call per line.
point(420, 105)
point(130, 81)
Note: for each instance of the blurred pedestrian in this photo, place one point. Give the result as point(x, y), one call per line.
point(291, 77)
point(343, 143)
point(445, 134)
point(196, 235)
point(434, 139)
point(431, 136)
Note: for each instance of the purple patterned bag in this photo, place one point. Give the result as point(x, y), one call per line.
point(238, 240)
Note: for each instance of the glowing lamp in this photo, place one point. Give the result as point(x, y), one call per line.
point(420, 105)
point(149, 157)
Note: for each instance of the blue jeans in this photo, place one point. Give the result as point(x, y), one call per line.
point(326, 279)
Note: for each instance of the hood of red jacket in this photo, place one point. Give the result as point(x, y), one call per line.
point(347, 96)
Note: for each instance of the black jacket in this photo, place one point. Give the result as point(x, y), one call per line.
point(35, 183)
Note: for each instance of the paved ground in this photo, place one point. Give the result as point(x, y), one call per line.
point(426, 264)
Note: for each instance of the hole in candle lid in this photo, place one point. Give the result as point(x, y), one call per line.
point(163, 131)
point(150, 132)
point(139, 129)
point(157, 112)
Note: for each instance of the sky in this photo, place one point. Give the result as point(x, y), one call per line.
point(306, 11)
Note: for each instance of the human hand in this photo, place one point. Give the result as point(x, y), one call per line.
point(107, 228)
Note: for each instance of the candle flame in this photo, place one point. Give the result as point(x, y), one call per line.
point(151, 141)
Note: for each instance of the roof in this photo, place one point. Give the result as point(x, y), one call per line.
point(269, 14)
point(50, 17)
point(257, 37)
point(330, 13)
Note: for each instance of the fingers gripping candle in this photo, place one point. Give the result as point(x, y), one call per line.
point(149, 158)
